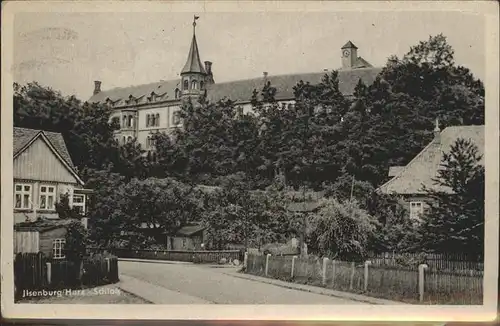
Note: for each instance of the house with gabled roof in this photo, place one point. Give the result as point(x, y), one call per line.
point(43, 171)
point(408, 181)
point(143, 110)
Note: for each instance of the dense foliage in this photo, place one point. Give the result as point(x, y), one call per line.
point(455, 219)
point(325, 141)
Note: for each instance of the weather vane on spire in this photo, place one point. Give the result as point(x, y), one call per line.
point(194, 22)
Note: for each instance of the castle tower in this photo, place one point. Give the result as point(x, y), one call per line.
point(195, 76)
point(349, 55)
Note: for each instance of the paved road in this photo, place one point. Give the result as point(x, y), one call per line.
point(211, 285)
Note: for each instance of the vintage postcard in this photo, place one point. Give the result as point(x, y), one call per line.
point(250, 160)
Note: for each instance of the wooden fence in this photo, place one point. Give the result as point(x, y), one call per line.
point(400, 283)
point(440, 262)
point(34, 271)
point(201, 256)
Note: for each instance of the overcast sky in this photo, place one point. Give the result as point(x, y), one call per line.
point(68, 51)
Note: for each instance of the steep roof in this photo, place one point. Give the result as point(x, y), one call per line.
point(349, 45)
point(240, 90)
point(424, 167)
point(23, 136)
point(193, 62)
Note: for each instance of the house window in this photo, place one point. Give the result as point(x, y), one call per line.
point(185, 85)
point(176, 119)
point(22, 194)
point(416, 209)
point(58, 248)
point(79, 203)
point(47, 197)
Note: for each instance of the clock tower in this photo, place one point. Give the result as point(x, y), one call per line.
point(349, 55)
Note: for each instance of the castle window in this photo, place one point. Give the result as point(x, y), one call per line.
point(129, 139)
point(185, 85)
point(416, 209)
point(130, 121)
point(153, 120)
point(124, 121)
point(115, 121)
point(176, 119)
point(177, 93)
point(194, 84)
point(202, 84)
point(147, 120)
point(148, 141)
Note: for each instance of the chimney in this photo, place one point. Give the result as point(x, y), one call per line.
point(208, 67)
point(97, 87)
point(437, 131)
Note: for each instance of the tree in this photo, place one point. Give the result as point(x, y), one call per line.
point(84, 127)
point(64, 209)
point(341, 230)
point(454, 221)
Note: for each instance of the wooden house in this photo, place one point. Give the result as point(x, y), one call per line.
point(408, 181)
point(189, 237)
point(43, 171)
point(44, 235)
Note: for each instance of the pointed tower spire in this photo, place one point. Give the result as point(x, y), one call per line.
point(193, 62)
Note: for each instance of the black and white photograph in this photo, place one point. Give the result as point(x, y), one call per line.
point(216, 156)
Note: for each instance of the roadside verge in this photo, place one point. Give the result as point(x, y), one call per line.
point(315, 289)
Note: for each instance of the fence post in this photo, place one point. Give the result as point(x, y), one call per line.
point(267, 263)
point(49, 273)
point(367, 263)
point(245, 260)
point(351, 280)
point(334, 262)
point(325, 263)
point(293, 266)
point(421, 280)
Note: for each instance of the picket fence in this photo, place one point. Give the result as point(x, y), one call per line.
point(398, 283)
point(201, 256)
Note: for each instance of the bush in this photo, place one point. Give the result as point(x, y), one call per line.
point(95, 269)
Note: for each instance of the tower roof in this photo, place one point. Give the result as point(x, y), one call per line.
point(193, 63)
point(349, 45)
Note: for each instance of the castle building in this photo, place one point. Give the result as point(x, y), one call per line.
point(145, 109)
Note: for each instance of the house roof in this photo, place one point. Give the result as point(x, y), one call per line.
point(240, 90)
point(24, 137)
point(43, 225)
point(193, 62)
point(189, 230)
point(424, 167)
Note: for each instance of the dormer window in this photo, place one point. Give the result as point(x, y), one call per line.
point(185, 85)
point(194, 84)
